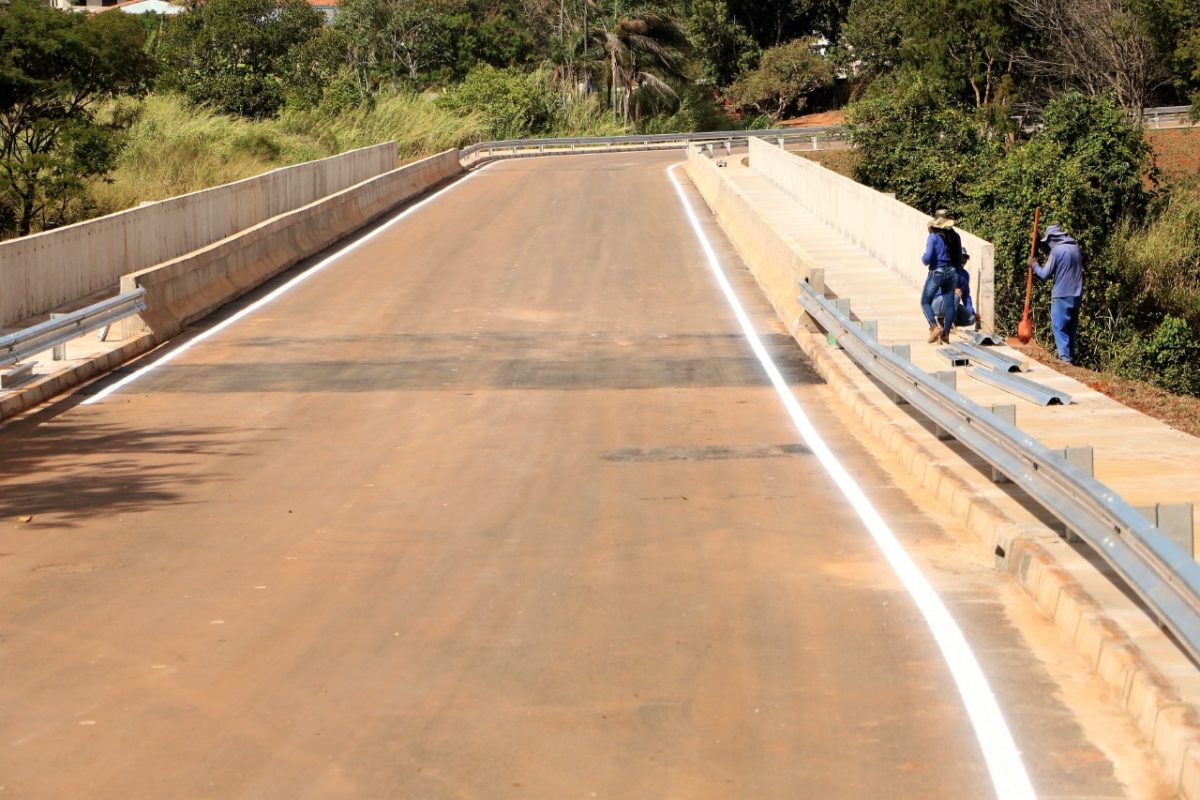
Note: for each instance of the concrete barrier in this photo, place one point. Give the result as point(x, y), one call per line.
point(778, 261)
point(41, 272)
point(889, 230)
point(184, 289)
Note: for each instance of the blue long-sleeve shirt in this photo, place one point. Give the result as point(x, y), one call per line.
point(943, 249)
point(964, 286)
point(937, 254)
point(1065, 264)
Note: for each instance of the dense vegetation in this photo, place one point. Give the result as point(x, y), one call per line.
point(988, 107)
point(1025, 103)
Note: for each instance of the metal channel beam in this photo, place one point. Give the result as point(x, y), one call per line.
point(982, 338)
point(1022, 387)
point(1164, 576)
point(956, 357)
point(997, 361)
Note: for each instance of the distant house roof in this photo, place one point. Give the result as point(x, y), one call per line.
point(148, 7)
point(327, 7)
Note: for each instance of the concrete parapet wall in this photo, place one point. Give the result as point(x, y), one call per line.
point(780, 262)
point(184, 289)
point(41, 272)
point(891, 231)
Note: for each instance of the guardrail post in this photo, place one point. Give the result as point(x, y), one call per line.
point(816, 279)
point(870, 328)
point(59, 352)
point(780, 141)
point(1081, 458)
point(949, 378)
point(814, 143)
point(842, 304)
point(1008, 413)
point(904, 353)
point(728, 148)
point(1175, 521)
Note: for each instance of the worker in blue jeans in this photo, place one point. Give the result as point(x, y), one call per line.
point(1065, 265)
point(943, 257)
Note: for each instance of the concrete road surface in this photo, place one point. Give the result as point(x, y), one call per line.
point(498, 505)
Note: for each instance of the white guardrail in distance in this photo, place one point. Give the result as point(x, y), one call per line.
point(1165, 577)
point(816, 136)
point(24, 343)
point(516, 148)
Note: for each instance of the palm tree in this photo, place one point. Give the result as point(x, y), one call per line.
point(642, 48)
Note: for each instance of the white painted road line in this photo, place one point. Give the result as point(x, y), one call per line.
point(274, 294)
point(1009, 776)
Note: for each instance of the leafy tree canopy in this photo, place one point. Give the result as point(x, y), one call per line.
point(783, 79)
point(239, 56)
point(54, 69)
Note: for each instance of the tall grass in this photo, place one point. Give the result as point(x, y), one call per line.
point(173, 148)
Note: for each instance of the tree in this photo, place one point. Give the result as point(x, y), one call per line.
point(643, 49)
point(725, 48)
point(783, 79)
point(917, 142)
point(968, 46)
point(515, 104)
point(871, 37)
point(238, 55)
point(54, 70)
point(773, 22)
point(1093, 46)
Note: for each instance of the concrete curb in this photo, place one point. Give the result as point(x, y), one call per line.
point(185, 289)
point(47, 386)
point(1170, 726)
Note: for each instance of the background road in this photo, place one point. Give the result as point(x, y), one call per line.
point(499, 505)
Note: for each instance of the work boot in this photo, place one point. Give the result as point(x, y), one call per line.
point(935, 333)
point(944, 337)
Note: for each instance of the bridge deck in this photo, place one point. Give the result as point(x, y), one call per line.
point(498, 505)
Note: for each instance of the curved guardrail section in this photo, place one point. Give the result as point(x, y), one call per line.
point(20, 345)
point(1162, 575)
point(599, 144)
point(511, 148)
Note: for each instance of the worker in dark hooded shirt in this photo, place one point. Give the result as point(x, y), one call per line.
point(1065, 265)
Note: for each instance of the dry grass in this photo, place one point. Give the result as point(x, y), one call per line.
point(173, 148)
point(840, 161)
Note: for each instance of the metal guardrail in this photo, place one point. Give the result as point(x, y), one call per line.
point(20, 345)
point(1165, 577)
point(509, 148)
point(516, 147)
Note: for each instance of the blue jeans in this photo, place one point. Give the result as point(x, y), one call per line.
point(939, 281)
point(1064, 318)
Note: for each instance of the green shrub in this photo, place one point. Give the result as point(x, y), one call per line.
point(913, 141)
point(1171, 357)
point(513, 104)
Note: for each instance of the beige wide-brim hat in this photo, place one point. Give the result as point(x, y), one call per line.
point(941, 219)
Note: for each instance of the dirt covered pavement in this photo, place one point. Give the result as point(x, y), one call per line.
point(499, 505)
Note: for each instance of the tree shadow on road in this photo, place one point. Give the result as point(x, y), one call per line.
point(63, 473)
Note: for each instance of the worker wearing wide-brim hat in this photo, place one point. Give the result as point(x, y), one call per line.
point(943, 258)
